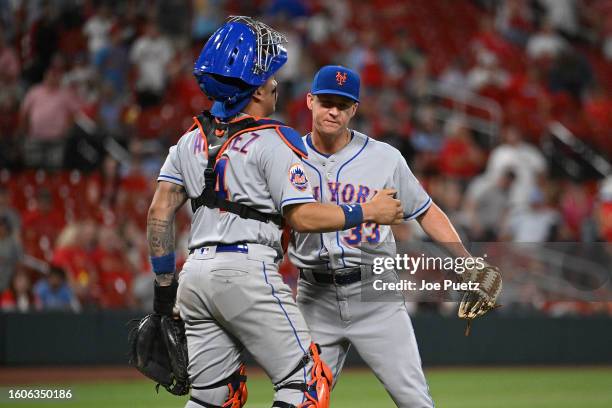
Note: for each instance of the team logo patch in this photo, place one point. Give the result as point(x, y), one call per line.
point(340, 77)
point(297, 177)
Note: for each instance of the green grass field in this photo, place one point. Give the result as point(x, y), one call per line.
point(452, 388)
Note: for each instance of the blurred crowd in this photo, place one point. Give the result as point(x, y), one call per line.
point(92, 94)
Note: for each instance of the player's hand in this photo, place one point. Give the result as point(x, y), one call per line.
point(383, 209)
point(164, 297)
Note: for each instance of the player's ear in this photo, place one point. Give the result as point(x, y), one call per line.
point(259, 93)
point(354, 109)
point(309, 100)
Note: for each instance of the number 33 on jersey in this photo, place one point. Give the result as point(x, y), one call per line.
point(354, 175)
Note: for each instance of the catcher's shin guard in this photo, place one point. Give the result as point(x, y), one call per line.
point(238, 393)
point(317, 389)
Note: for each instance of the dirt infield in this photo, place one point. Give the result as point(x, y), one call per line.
point(52, 375)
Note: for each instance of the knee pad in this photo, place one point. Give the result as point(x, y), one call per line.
point(317, 389)
point(236, 384)
point(238, 392)
point(320, 383)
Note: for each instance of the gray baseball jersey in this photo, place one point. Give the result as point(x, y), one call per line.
point(258, 169)
point(354, 175)
point(236, 299)
point(336, 315)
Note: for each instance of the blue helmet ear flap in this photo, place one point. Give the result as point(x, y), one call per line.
point(220, 88)
point(231, 95)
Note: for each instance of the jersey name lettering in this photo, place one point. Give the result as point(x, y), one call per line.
point(198, 144)
point(242, 142)
point(239, 144)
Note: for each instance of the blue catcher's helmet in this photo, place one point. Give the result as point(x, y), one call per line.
point(237, 59)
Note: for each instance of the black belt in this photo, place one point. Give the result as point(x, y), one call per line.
point(345, 277)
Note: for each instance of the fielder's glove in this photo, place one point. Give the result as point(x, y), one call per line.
point(158, 349)
point(477, 302)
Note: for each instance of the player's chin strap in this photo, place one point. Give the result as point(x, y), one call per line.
point(317, 389)
point(218, 135)
point(237, 390)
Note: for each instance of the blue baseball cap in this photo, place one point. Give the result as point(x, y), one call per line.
point(336, 80)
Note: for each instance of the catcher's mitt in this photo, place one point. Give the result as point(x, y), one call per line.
point(158, 349)
point(477, 302)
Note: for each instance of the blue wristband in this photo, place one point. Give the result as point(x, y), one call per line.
point(353, 215)
point(163, 264)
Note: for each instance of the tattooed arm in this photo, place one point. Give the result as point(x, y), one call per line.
point(167, 200)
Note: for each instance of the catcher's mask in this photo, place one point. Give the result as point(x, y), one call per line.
point(237, 59)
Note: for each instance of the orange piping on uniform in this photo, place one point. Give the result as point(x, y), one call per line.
point(193, 126)
point(299, 153)
point(238, 119)
point(202, 135)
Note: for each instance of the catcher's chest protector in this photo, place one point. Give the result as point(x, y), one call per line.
point(217, 137)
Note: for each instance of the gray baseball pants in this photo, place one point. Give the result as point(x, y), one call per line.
point(231, 301)
point(381, 332)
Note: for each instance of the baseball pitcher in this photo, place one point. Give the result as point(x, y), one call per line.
point(346, 167)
